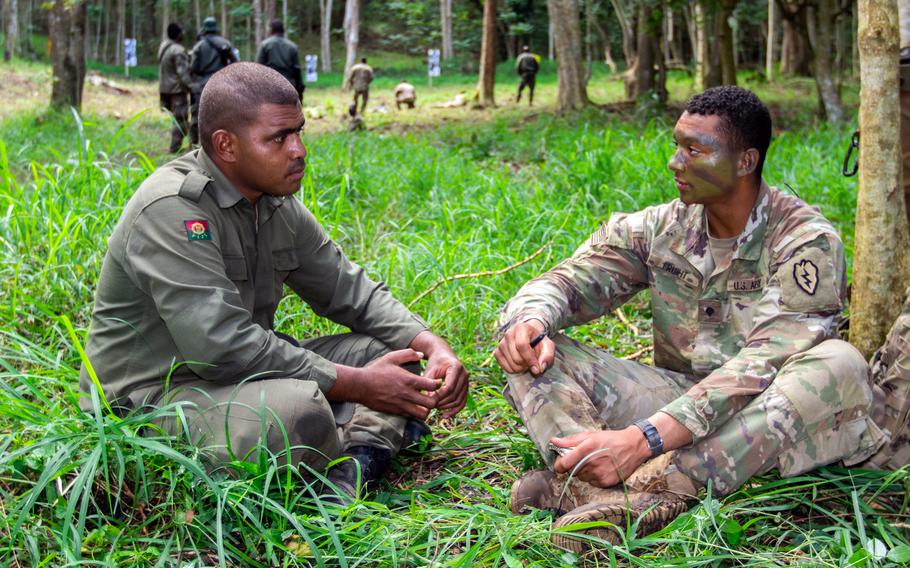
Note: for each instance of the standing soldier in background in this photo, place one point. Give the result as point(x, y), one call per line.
point(360, 78)
point(174, 83)
point(526, 65)
point(405, 94)
point(281, 54)
point(210, 54)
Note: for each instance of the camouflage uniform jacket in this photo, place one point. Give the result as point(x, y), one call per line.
point(730, 330)
point(173, 68)
point(360, 78)
point(193, 276)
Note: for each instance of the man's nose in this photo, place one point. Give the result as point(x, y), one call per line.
point(676, 164)
point(298, 148)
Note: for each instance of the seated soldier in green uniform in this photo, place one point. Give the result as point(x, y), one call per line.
point(186, 301)
point(747, 286)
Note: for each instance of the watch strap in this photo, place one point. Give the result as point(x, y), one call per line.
point(652, 436)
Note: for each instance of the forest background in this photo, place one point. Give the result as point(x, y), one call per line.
point(454, 208)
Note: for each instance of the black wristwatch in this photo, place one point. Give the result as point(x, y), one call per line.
point(655, 442)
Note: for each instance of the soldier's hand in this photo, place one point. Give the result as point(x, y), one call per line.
point(442, 363)
point(387, 387)
point(515, 354)
point(612, 455)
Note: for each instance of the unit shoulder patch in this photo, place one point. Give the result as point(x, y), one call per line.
point(809, 283)
point(197, 230)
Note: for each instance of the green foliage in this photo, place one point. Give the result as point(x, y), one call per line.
point(85, 487)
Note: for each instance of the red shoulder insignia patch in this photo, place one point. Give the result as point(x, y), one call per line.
point(197, 230)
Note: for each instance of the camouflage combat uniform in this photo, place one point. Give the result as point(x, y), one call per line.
point(405, 94)
point(185, 310)
point(745, 355)
point(281, 54)
point(174, 88)
point(359, 81)
point(211, 54)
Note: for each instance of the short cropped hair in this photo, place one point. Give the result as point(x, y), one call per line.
point(232, 97)
point(276, 27)
point(174, 30)
point(745, 120)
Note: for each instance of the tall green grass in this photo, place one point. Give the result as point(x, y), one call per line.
point(87, 488)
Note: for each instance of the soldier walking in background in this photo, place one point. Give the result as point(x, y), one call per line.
point(280, 53)
point(527, 66)
point(405, 94)
point(174, 83)
point(359, 80)
point(210, 54)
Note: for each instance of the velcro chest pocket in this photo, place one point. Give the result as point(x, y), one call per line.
point(285, 260)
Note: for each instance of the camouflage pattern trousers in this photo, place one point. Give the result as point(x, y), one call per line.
point(291, 417)
point(178, 106)
point(815, 412)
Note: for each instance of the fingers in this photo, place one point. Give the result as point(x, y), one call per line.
point(453, 396)
point(546, 353)
point(515, 354)
point(402, 356)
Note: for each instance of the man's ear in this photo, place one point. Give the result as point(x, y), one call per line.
point(225, 147)
point(748, 161)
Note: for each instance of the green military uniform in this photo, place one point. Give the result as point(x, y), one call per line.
point(210, 54)
point(526, 66)
point(745, 348)
point(359, 80)
point(280, 54)
point(174, 87)
point(187, 297)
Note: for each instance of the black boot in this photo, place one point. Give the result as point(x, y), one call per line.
point(418, 438)
point(366, 466)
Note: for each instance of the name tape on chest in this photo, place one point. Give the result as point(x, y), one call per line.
point(197, 230)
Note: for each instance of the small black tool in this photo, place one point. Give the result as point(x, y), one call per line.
point(538, 339)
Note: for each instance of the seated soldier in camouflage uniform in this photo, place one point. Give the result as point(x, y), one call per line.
point(196, 268)
point(747, 286)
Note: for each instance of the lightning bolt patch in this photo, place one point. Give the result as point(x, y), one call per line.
point(805, 273)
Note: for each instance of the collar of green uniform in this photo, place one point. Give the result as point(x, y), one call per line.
point(226, 195)
point(749, 244)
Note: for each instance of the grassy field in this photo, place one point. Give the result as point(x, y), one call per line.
point(417, 198)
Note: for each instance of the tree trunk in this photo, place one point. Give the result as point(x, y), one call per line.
point(795, 54)
point(224, 19)
point(445, 15)
point(487, 78)
point(880, 273)
point(257, 23)
point(725, 42)
point(121, 30)
point(589, 40)
point(828, 94)
point(66, 22)
point(197, 15)
point(769, 48)
point(628, 37)
point(106, 30)
point(551, 45)
point(605, 41)
point(351, 36)
point(646, 83)
point(325, 29)
point(165, 16)
point(11, 19)
point(572, 92)
point(702, 46)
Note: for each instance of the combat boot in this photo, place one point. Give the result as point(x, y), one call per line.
point(543, 489)
point(359, 474)
point(654, 495)
point(417, 438)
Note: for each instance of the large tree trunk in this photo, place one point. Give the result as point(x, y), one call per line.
point(325, 30)
point(11, 23)
point(351, 36)
point(725, 42)
point(445, 16)
point(641, 83)
point(66, 22)
point(487, 78)
point(828, 94)
point(572, 92)
point(881, 263)
point(11, 19)
point(796, 51)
